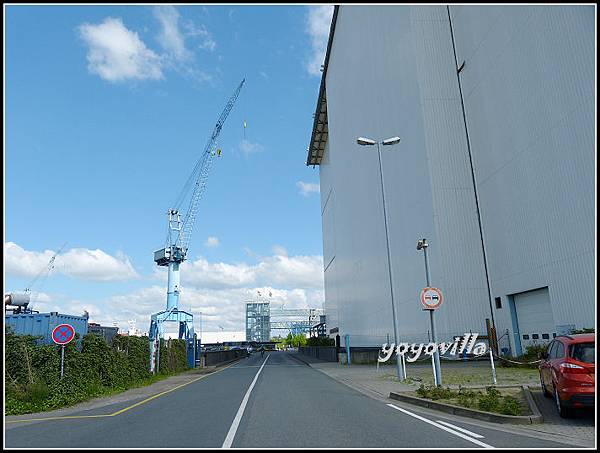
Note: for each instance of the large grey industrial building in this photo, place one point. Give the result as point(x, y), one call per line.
point(495, 108)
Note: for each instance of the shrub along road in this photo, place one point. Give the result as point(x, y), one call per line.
point(270, 401)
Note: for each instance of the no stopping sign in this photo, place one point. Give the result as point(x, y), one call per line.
point(63, 334)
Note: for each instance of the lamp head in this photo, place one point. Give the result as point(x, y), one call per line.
point(391, 141)
point(365, 141)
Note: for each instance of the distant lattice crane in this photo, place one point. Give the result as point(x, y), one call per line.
point(179, 233)
point(21, 300)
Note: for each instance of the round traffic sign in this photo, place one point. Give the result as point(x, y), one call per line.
point(431, 298)
point(63, 333)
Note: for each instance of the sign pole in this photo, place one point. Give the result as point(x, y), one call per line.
point(62, 361)
point(61, 335)
point(436, 355)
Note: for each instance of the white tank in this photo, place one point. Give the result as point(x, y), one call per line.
point(17, 299)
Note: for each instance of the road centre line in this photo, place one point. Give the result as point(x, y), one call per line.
point(238, 417)
point(445, 428)
point(139, 403)
point(462, 430)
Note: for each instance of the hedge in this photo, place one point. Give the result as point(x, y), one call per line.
point(95, 368)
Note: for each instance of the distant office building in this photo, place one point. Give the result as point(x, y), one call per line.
point(108, 333)
point(495, 108)
point(258, 321)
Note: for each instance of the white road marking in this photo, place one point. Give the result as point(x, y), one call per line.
point(462, 430)
point(445, 428)
point(238, 417)
point(275, 365)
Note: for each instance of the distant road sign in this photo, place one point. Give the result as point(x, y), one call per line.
point(63, 334)
point(431, 298)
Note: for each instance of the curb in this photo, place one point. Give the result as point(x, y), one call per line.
point(535, 418)
point(295, 356)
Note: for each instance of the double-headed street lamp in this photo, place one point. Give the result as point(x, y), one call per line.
point(387, 142)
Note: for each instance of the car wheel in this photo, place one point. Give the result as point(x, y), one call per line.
point(562, 410)
point(545, 391)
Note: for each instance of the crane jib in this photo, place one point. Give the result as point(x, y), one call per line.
point(180, 232)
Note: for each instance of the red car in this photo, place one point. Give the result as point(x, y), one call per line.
point(567, 371)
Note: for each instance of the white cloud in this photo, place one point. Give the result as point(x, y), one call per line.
point(118, 54)
point(216, 289)
point(279, 269)
point(280, 250)
point(170, 38)
point(307, 188)
point(248, 147)
point(318, 23)
point(211, 307)
point(212, 241)
point(79, 263)
point(287, 272)
point(202, 34)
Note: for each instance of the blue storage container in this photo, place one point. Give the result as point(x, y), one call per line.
point(42, 324)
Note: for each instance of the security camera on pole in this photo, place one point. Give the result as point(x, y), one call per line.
point(431, 298)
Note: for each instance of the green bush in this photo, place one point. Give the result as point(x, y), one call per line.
point(320, 341)
point(584, 330)
point(32, 371)
point(466, 397)
point(531, 355)
point(490, 401)
point(510, 406)
point(435, 393)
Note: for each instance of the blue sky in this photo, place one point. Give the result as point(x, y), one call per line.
point(107, 109)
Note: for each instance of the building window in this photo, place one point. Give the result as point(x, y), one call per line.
point(498, 302)
point(545, 336)
point(535, 336)
point(525, 337)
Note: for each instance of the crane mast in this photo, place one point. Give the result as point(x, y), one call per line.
point(179, 232)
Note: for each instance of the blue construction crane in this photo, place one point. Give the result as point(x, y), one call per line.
point(179, 233)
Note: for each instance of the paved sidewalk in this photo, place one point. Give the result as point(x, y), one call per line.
point(383, 380)
point(380, 382)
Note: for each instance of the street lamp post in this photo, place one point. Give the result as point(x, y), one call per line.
point(387, 142)
point(422, 245)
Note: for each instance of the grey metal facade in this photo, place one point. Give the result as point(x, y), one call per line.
point(258, 321)
point(527, 132)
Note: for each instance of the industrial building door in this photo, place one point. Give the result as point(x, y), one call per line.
point(534, 317)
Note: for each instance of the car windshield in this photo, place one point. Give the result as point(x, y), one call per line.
point(584, 352)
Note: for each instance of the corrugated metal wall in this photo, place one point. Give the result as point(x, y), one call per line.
point(42, 324)
point(529, 91)
point(528, 86)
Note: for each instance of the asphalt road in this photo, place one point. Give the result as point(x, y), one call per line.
point(273, 401)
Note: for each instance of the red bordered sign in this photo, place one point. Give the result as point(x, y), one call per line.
point(431, 298)
point(63, 334)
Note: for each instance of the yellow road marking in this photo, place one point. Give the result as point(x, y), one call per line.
point(58, 418)
point(139, 403)
point(167, 391)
